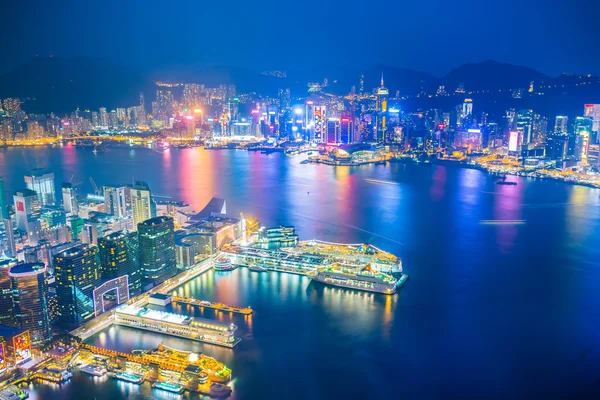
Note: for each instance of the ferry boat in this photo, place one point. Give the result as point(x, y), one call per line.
point(257, 268)
point(127, 377)
point(94, 370)
point(506, 183)
point(223, 264)
point(365, 279)
point(169, 387)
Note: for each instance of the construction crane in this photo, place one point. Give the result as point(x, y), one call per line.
point(96, 190)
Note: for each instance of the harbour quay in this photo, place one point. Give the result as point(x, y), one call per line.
point(199, 329)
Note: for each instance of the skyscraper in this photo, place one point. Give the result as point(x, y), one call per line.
point(42, 182)
point(6, 304)
point(78, 272)
point(27, 213)
point(119, 256)
point(382, 100)
point(141, 203)
point(560, 125)
point(114, 201)
point(69, 196)
point(30, 300)
point(593, 111)
point(3, 205)
point(157, 250)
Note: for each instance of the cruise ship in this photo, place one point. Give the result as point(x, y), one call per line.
point(366, 279)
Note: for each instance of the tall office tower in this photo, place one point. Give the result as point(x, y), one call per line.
point(103, 118)
point(156, 238)
point(114, 201)
point(7, 316)
point(142, 101)
point(141, 203)
point(561, 124)
point(78, 272)
point(119, 255)
point(465, 114)
point(346, 130)
point(27, 209)
point(69, 196)
point(42, 182)
point(593, 111)
point(525, 126)
point(30, 300)
point(333, 131)
point(382, 102)
point(583, 127)
point(10, 237)
point(3, 205)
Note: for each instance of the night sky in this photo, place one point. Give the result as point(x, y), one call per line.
point(433, 36)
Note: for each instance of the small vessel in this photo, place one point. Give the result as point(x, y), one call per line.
point(223, 264)
point(127, 377)
point(506, 183)
point(94, 370)
point(366, 279)
point(169, 387)
point(257, 268)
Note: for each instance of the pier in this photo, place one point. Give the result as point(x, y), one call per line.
point(199, 329)
point(214, 306)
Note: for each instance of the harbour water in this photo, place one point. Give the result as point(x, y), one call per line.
point(490, 310)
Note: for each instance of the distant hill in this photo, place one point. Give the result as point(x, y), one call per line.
point(491, 75)
point(60, 85)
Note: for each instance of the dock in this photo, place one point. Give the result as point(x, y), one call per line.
point(214, 306)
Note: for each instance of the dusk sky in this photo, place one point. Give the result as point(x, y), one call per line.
point(433, 36)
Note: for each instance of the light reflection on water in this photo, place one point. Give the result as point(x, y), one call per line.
point(488, 311)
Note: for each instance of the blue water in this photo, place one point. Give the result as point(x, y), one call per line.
point(488, 311)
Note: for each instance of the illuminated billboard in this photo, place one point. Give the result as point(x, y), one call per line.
point(22, 347)
point(513, 141)
point(2, 357)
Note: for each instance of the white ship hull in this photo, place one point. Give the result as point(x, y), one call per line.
point(356, 283)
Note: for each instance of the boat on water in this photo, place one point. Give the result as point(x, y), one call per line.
point(223, 264)
point(366, 279)
point(511, 183)
point(94, 370)
point(257, 268)
point(127, 377)
point(169, 387)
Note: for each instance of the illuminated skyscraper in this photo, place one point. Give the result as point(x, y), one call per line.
point(27, 209)
point(583, 127)
point(141, 203)
point(157, 250)
point(593, 111)
point(114, 201)
point(561, 124)
point(6, 304)
point(30, 300)
point(69, 196)
point(78, 272)
point(119, 257)
point(42, 182)
point(3, 205)
point(525, 126)
point(103, 118)
point(382, 105)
